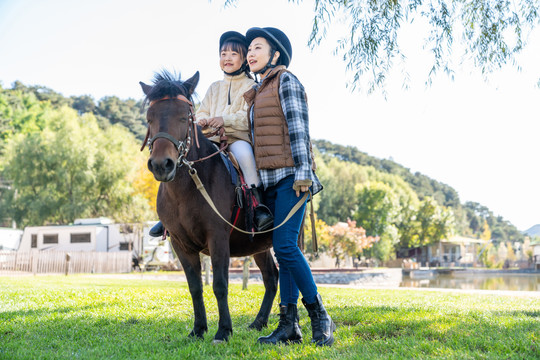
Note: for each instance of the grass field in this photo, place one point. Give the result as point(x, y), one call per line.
point(90, 317)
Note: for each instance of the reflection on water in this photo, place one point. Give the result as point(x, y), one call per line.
point(513, 282)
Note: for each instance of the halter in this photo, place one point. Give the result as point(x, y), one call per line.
point(183, 146)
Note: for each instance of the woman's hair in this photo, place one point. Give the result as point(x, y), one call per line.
point(273, 49)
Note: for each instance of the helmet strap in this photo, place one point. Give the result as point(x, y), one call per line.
point(239, 71)
point(269, 65)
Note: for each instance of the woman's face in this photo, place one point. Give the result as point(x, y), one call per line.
point(259, 54)
point(230, 60)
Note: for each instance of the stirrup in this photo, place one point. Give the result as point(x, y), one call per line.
point(263, 218)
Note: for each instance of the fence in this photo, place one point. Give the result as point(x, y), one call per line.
point(40, 262)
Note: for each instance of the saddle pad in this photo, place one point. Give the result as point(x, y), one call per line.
point(235, 178)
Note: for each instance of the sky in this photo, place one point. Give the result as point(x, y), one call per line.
point(480, 137)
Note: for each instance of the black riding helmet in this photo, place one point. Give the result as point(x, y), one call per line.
point(277, 38)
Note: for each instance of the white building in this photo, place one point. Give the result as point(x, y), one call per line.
point(10, 239)
point(99, 235)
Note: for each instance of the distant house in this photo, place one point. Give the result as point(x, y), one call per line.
point(456, 251)
point(10, 239)
point(536, 255)
point(99, 235)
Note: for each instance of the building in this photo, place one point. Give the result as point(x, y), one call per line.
point(536, 254)
point(10, 239)
point(99, 235)
point(456, 251)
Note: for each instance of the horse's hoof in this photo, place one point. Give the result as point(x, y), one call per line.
point(195, 336)
point(216, 342)
point(258, 325)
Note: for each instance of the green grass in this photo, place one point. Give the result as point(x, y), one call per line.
point(90, 317)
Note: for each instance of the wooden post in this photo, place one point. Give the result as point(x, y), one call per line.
point(207, 264)
point(245, 274)
point(68, 258)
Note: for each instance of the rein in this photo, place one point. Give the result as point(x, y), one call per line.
point(204, 193)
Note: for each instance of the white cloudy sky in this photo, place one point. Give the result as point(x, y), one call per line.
point(480, 138)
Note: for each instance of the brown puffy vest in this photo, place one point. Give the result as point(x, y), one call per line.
point(272, 145)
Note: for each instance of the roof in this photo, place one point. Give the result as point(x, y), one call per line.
point(464, 240)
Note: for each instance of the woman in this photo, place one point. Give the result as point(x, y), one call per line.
point(224, 106)
point(279, 127)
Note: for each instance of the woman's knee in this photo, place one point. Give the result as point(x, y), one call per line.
point(286, 251)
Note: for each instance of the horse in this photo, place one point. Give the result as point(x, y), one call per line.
point(190, 221)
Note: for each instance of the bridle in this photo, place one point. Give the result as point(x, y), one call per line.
point(183, 146)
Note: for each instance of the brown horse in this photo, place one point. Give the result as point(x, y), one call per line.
point(193, 226)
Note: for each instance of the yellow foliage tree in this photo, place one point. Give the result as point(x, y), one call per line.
point(486, 232)
point(145, 184)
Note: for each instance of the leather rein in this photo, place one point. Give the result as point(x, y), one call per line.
point(184, 146)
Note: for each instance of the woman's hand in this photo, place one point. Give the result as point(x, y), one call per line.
point(301, 186)
point(202, 122)
point(215, 122)
point(303, 189)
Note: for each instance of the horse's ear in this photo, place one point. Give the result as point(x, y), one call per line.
point(145, 88)
point(192, 82)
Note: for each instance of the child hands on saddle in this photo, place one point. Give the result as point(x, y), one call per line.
point(215, 122)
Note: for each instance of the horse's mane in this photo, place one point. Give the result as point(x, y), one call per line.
point(166, 84)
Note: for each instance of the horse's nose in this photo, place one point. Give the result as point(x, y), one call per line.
point(163, 169)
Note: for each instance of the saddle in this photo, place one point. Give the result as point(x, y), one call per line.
point(257, 216)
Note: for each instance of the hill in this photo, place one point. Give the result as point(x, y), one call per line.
point(471, 218)
point(533, 231)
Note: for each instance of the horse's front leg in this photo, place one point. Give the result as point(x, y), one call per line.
point(220, 255)
point(191, 263)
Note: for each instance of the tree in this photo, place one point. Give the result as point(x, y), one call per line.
point(126, 112)
point(345, 239)
point(323, 237)
point(338, 200)
point(83, 104)
point(489, 32)
point(486, 232)
point(436, 222)
point(377, 207)
point(72, 169)
point(146, 185)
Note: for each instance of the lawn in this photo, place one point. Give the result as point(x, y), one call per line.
point(91, 317)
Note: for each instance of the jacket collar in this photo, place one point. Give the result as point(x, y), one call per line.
point(249, 96)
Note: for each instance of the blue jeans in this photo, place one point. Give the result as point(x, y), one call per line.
point(294, 272)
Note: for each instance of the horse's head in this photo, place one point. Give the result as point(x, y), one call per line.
point(170, 122)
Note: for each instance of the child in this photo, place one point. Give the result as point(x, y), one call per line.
point(224, 106)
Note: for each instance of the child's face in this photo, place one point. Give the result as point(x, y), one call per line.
point(230, 60)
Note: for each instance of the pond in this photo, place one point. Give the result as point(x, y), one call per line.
point(476, 281)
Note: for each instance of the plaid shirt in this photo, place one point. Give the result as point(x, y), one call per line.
point(293, 102)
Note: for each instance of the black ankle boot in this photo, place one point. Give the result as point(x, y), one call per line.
point(288, 330)
point(157, 230)
point(263, 217)
point(322, 325)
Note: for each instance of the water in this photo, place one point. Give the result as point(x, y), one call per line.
point(471, 281)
